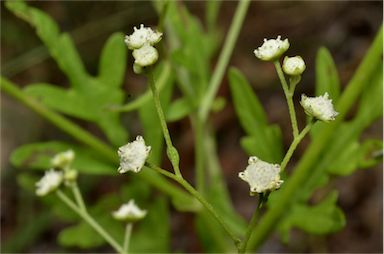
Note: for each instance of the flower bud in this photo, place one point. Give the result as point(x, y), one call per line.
point(63, 159)
point(145, 56)
point(293, 65)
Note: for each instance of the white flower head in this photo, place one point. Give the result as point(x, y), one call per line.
point(133, 155)
point(272, 49)
point(129, 212)
point(63, 159)
point(293, 65)
point(261, 176)
point(49, 182)
point(319, 107)
point(145, 56)
point(142, 36)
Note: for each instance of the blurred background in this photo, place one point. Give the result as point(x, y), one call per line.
point(346, 28)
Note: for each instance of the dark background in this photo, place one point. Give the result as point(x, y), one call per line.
point(345, 28)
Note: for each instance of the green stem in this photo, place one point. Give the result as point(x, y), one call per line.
point(252, 224)
point(224, 57)
point(171, 150)
point(288, 96)
point(88, 218)
point(78, 197)
point(58, 120)
point(199, 154)
point(127, 237)
point(143, 99)
point(199, 197)
point(294, 145)
point(367, 68)
point(86, 138)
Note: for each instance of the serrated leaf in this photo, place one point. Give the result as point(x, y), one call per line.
point(112, 64)
point(38, 156)
point(327, 78)
point(322, 218)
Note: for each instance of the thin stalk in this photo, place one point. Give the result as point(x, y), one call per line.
point(199, 197)
point(294, 145)
point(252, 224)
point(88, 218)
point(127, 237)
point(84, 137)
point(288, 96)
point(199, 155)
point(58, 120)
point(171, 150)
point(78, 197)
point(366, 69)
point(224, 57)
point(144, 98)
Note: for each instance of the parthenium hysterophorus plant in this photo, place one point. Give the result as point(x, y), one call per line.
point(100, 100)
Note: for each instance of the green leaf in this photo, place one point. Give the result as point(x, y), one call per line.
point(60, 46)
point(327, 78)
point(153, 233)
point(248, 108)
point(263, 140)
point(322, 218)
point(371, 102)
point(113, 61)
point(217, 241)
point(66, 101)
point(80, 235)
point(266, 145)
point(39, 155)
point(178, 109)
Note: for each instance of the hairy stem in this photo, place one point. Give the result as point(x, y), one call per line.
point(288, 96)
point(171, 150)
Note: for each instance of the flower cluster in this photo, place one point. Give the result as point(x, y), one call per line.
point(141, 41)
point(49, 182)
point(261, 176)
point(129, 212)
point(320, 107)
point(54, 178)
point(133, 155)
point(272, 49)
